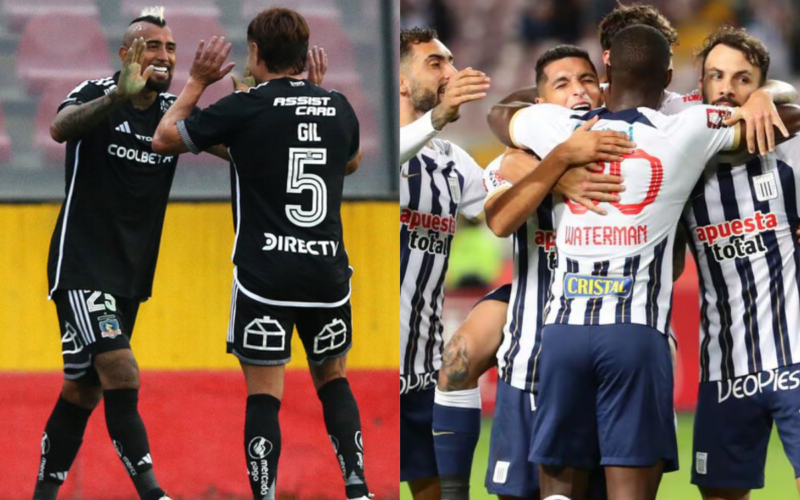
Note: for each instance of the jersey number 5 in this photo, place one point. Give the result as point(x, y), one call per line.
point(615, 168)
point(298, 181)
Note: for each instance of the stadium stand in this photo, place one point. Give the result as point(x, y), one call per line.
point(78, 54)
point(130, 9)
point(5, 141)
point(51, 98)
point(19, 12)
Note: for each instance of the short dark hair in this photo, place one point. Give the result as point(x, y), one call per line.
point(281, 36)
point(413, 36)
point(556, 54)
point(624, 16)
point(642, 53)
point(739, 39)
point(158, 21)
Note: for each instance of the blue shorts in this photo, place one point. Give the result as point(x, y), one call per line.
point(417, 458)
point(500, 294)
point(604, 396)
point(733, 423)
point(509, 471)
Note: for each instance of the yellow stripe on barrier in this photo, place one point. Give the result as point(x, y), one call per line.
point(184, 325)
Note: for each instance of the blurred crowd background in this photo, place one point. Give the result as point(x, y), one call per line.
point(504, 38)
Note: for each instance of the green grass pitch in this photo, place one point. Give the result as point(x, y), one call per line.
point(779, 481)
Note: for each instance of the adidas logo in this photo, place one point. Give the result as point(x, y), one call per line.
point(61, 476)
point(147, 459)
point(124, 128)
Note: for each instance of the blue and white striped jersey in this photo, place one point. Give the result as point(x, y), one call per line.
point(742, 218)
point(534, 259)
point(618, 268)
point(435, 185)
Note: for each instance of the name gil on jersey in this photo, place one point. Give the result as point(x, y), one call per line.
point(307, 105)
point(606, 235)
point(290, 244)
point(138, 155)
point(580, 285)
point(755, 383)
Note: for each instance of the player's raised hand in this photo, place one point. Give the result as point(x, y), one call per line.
point(317, 65)
point(760, 115)
point(465, 86)
point(131, 79)
point(247, 82)
point(587, 146)
point(209, 61)
point(587, 186)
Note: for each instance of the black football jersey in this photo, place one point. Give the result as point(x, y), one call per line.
point(289, 142)
point(109, 229)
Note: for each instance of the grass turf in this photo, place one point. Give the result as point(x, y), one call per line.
point(779, 478)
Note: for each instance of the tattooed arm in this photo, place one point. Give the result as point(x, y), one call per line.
point(75, 121)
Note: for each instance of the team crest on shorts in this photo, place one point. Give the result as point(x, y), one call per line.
point(109, 326)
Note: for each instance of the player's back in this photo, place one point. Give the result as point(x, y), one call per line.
point(289, 156)
point(617, 268)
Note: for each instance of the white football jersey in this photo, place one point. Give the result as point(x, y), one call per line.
point(534, 260)
point(435, 185)
point(617, 268)
point(742, 219)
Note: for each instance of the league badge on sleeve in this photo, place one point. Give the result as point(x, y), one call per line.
point(715, 117)
point(109, 326)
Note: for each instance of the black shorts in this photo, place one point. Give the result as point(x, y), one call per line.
point(91, 323)
point(261, 334)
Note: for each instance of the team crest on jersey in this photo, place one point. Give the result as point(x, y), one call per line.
point(109, 326)
point(765, 187)
point(165, 105)
point(579, 285)
point(715, 117)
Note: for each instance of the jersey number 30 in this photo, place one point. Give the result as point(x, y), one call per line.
point(615, 168)
point(298, 181)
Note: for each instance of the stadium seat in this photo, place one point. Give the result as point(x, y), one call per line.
point(211, 95)
point(52, 49)
point(5, 141)
point(19, 12)
point(131, 9)
point(188, 31)
point(51, 98)
point(252, 7)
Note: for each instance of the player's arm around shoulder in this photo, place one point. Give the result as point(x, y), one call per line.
point(584, 148)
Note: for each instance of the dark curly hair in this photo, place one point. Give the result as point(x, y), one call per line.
point(413, 36)
point(624, 16)
point(739, 39)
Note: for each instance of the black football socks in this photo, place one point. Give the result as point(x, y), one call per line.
point(61, 441)
point(344, 428)
point(129, 436)
point(262, 444)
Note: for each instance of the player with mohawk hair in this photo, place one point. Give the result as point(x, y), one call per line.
point(104, 250)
